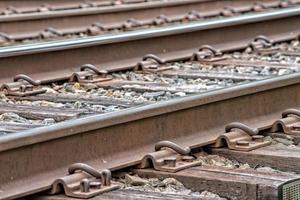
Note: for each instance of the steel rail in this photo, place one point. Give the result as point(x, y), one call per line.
point(20, 3)
point(32, 159)
point(43, 29)
point(102, 10)
point(84, 20)
point(113, 52)
point(148, 33)
point(113, 140)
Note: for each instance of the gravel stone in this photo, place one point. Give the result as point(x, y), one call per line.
point(135, 180)
point(284, 141)
point(283, 72)
point(270, 139)
point(180, 94)
point(69, 88)
point(90, 86)
point(216, 160)
point(13, 117)
point(153, 94)
point(172, 181)
point(48, 121)
point(168, 186)
point(49, 90)
point(209, 194)
point(176, 86)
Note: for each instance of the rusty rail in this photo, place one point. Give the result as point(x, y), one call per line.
point(45, 165)
point(51, 25)
point(96, 50)
point(37, 160)
point(261, 103)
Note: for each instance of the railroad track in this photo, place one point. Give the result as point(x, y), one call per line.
point(114, 51)
point(207, 119)
point(28, 103)
point(53, 24)
point(62, 4)
point(255, 99)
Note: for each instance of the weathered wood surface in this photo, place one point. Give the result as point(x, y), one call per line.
point(276, 156)
point(12, 127)
point(72, 98)
point(131, 195)
point(231, 183)
point(42, 112)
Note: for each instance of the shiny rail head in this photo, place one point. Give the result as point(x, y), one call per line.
point(290, 190)
point(144, 34)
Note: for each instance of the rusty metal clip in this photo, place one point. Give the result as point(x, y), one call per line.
point(289, 124)
point(44, 8)
point(240, 137)
point(160, 20)
point(23, 85)
point(152, 63)
point(169, 157)
point(193, 15)
point(96, 29)
point(131, 23)
point(89, 74)
point(50, 32)
point(260, 43)
point(4, 38)
point(87, 4)
point(87, 183)
point(258, 7)
point(10, 10)
point(284, 4)
point(207, 53)
point(228, 11)
point(287, 3)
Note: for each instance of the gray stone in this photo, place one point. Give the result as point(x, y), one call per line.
point(69, 88)
point(284, 141)
point(153, 94)
point(89, 86)
point(135, 180)
point(172, 181)
point(48, 121)
point(283, 72)
point(180, 94)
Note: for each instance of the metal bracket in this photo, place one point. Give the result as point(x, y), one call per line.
point(207, 53)
point(4, 38)
point(261, 43)
point(228, 11)
point(152, 63)
point(240, 137)
point(22, 86)
point(258, 7)
point(131, 23)
point(87, 183)
point(169, 157)
point(89, 74)
point(289, 124)
point(161, 19)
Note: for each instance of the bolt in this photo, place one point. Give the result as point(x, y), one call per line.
point(296, 127)
point(94, 30)
point(95, 184)
point(188, 158)
point(152, 67)
point(258, 138)
point(89, 77)
point(103, 73)
point(85, 185)
point(171, 161)
point(242, 143)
